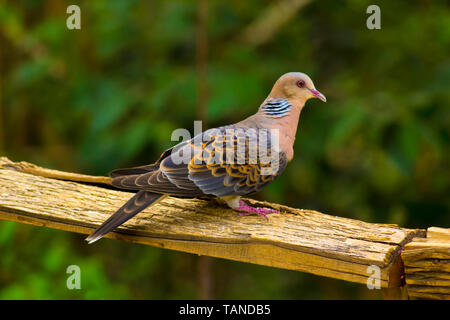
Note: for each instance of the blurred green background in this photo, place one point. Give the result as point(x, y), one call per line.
point(110, 95)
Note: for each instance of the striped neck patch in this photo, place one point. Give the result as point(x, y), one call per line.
point(276, 108)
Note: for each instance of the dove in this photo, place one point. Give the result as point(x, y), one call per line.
point(225, 163)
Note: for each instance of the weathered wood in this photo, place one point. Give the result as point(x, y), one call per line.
point(302, 240)
point(397, 276)
point(33, 169)
point(427, 265)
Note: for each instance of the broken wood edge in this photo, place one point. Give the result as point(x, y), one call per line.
point(436, 238)
point(397, 289)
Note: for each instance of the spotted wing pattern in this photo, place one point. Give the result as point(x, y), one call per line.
point(236, 162)
point(219, 162)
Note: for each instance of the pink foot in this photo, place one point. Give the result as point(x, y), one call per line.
point(250, 210)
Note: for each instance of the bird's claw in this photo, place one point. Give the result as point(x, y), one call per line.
point(247, 210)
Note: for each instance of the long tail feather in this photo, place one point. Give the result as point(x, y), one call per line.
point(132, 207)
point(133, 171)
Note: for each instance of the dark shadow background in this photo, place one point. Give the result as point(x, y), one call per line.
point(110, 95)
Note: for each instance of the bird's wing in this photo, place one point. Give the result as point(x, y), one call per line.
point(219, 162)
point(227, 161)
point(151, 178)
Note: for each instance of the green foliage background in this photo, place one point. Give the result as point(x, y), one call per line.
point(109, 95)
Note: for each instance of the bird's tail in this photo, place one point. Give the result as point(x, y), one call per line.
point(132, 207)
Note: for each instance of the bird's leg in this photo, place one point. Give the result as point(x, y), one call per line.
point(237, 204)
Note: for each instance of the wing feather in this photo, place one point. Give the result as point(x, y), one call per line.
point(219, 162)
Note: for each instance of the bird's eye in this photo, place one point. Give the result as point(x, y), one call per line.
point(300, 83)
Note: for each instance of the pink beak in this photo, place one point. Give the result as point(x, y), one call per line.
point(317, 94)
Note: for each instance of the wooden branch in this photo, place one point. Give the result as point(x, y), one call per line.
point(427, 265)
point(302, 240)
point(50, 173)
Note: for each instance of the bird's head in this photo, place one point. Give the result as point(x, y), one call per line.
point(296, 86)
